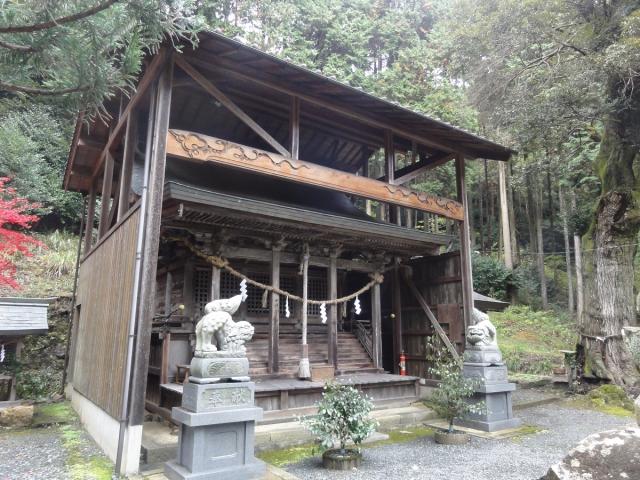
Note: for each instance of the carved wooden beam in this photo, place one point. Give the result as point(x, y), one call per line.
point(202, 148)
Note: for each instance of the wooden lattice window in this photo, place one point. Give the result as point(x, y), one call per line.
point(288, 284)
point(201, 289)
point(230, 286)
point(317, 291)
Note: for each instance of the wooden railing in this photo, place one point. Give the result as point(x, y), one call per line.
point(362, 330)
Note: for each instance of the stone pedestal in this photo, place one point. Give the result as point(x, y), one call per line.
point(484, 364)
point(217, 432)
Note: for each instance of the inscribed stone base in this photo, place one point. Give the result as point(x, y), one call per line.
point(216, 444)
point(499, 410)
point(478, 355)
point(216, 396)
point(209, 370)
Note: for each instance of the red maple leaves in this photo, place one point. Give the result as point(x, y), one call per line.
point(14, 219)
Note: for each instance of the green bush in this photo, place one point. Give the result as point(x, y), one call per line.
point(451, 399)
point(343, 415)
point(492, 278)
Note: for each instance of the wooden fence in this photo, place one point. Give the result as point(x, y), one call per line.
point(105, 294)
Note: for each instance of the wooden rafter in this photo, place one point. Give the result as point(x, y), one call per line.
point(150, 75)
point(211, 61)
point(404, 174)
point(202, 148)
point(230, 105)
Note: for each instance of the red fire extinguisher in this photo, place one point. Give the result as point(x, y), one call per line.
point(403, 363)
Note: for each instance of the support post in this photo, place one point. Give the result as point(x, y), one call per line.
point(465, 250)
point(304, 369)
point(130, 140)
point(152, 218)
point(91, 213)
point(390, 169)
point(332, 312)
point(294, 128)
point(215, 283)
point(504, 215)
point(107, 182)
point(376, 325)
point(274, 312)
point(397, 319)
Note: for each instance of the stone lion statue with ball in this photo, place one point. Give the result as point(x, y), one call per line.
point(482, 333)
point(217, 332)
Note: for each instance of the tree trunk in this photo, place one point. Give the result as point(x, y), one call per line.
point(512, 218)
point(540, 244)
point(577, 246)
point(567, 249)
point(489, 207)
point(609, 273)
point(504, 216)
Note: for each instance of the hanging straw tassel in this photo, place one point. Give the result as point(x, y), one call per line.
point(265, 298)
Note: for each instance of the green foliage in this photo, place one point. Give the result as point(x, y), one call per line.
point(492, 278)
point(451, 399)
point(34, 143)
point(83, 61)
point(531, 340)
point(343, 415)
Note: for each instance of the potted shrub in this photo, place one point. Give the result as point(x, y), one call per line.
point(451, 399)
point(343, 416)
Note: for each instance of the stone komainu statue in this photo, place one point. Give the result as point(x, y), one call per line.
point(217, 332)
point(482, 332)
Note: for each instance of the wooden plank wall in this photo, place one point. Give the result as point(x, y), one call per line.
point(105, 293)
point(438, 279)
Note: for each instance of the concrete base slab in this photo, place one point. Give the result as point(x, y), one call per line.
point(254, 470)
point(491, 426)
point(499, 435)
point(272, 473)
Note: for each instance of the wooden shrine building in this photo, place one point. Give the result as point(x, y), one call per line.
point(229, 153)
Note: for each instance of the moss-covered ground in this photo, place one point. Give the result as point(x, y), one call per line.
point(609, 399)
point(290, 455)
point(84, 461)
point(531, 340)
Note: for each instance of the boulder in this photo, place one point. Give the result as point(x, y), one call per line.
point(614, 454)
point(17, 416)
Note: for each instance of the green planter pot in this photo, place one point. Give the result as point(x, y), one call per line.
point(337, 459)
point(445, 437)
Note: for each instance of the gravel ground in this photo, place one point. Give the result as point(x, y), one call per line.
point(32, 454)
point(40, 454)
point(523, 458)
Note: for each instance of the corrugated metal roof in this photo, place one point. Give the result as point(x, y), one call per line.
point(23, 316)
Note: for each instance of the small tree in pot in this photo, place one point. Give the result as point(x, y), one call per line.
point(343, 416)
point(451, 399)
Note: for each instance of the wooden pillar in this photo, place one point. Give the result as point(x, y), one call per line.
point(294, 128)
point(151, 217)
point(215, 283)
point(107, 182)
point(465, 250)
point(187, 288)
point(274, 313)
point(504, 215)
point(397, 319)
point(376, 325)
point(390, 171)
point(130, 141)
point(91, 213)
point(332, 309)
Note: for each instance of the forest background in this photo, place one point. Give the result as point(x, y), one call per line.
point(556, 229)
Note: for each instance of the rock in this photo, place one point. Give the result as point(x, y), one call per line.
point(614, 454)
point(18, 416)
point(637, 404)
